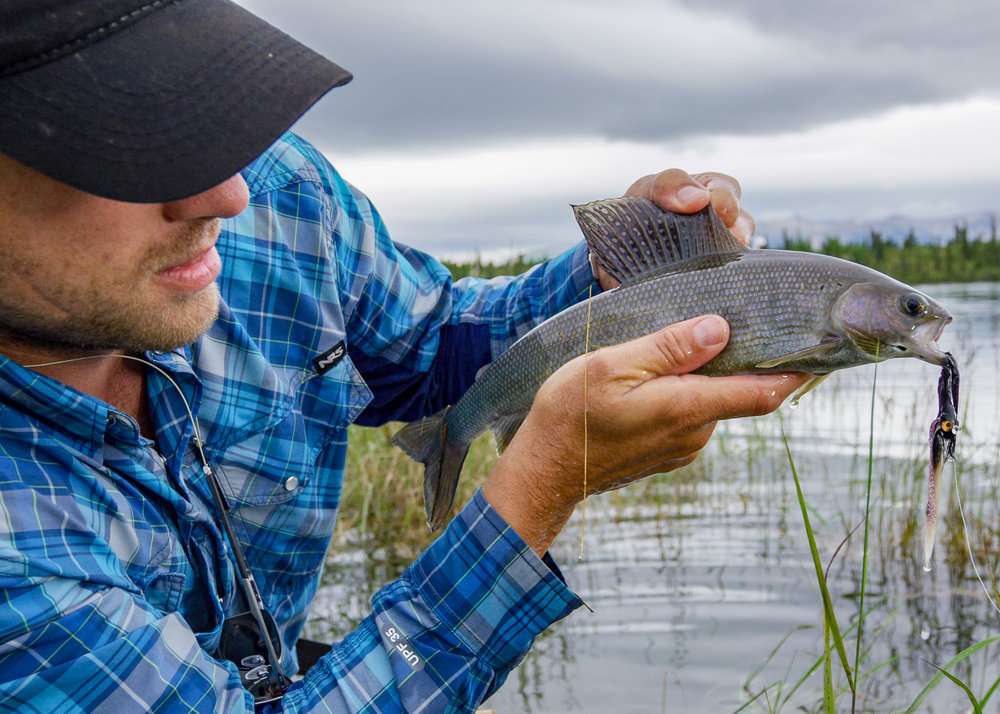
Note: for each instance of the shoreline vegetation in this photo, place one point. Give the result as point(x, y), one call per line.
point(959, 258)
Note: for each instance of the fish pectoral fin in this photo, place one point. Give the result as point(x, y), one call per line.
point(823, 348)
point(504, 429)
point(814, 382)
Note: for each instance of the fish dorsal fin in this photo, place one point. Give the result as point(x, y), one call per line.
point(633, 237)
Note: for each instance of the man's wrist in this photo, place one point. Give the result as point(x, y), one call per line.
point(519, 495)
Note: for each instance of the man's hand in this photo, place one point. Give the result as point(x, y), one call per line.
point(645, 415)
point(676, 190)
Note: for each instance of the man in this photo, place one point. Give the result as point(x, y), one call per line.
point(158, 258)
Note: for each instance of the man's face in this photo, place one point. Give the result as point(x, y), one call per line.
point(83, 273)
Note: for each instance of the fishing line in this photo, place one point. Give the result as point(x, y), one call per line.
point(968, 541)
point(194, 422)
point(586, 409)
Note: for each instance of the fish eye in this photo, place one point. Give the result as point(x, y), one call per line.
point(912, 305)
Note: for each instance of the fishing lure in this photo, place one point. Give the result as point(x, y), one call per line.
point(943, 434)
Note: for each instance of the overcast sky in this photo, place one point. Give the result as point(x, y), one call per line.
point(474, 125)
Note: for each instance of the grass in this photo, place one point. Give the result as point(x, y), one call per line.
point(383, 498)
point(831, 628)
point(945, 672)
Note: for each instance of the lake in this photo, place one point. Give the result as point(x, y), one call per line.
point(701, 582)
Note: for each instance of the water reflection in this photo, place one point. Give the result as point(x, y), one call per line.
point(702, 586)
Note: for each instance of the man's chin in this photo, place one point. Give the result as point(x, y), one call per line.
point(132, 329)
point(175, 328)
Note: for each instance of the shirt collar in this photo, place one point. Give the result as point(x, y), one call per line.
point(170, 417)
point(84, 421)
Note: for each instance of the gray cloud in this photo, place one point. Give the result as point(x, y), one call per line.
point(965, 30)
point(440, 74)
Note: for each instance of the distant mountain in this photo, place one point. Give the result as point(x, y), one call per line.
point(895, 228)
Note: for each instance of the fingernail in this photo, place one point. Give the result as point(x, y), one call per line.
point(710, 332)
point(690, 194)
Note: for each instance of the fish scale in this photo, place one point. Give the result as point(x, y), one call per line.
point(787, 311)
point(770, 299)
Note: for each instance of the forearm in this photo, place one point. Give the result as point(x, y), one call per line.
point(517, 489)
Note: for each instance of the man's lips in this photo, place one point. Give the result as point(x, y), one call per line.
point(194, 275)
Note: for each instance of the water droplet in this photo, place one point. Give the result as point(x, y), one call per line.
point(927, 567)
point(794, 403)
point(925, 634)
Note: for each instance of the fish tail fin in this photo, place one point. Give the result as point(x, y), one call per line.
point(427, 441)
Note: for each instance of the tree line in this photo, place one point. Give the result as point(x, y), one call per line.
point(958, 259)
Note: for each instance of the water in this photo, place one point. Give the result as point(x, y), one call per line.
point(702, 585)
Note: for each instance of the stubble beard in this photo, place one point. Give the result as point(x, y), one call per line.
point(130, 325)
point(101, 316)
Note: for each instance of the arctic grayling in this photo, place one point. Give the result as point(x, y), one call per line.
point(787, 311)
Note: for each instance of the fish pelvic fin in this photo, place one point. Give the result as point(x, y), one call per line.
point(426, 441)
point(633, 238)
point(504, 429)
point(814, 381)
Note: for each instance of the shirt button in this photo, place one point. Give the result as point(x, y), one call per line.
point(291, 483)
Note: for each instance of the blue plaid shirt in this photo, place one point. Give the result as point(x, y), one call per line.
point(114, 574)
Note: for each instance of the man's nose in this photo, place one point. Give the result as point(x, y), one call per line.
point(223, 200)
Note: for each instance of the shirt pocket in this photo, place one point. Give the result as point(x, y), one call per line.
point(331, 401)
point(274, 465)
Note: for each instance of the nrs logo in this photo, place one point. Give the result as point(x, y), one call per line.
point(329, 359)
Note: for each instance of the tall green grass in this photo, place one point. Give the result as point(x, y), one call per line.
point(830, 625)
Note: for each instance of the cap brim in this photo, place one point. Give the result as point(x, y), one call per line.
point(168, 107)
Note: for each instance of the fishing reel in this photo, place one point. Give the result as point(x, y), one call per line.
point(242, 643)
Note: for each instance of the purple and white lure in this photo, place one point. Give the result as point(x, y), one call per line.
point(943, 435)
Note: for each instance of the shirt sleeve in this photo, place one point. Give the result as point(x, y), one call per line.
point(417, 336)
point(441, 638)
point(446, 634)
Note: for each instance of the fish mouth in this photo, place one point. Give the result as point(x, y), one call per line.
point(920, 343)
point(923, 341)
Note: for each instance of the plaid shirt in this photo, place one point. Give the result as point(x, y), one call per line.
point(115, 576)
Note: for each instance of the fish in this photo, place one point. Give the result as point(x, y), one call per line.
point(788, 311)
point(943, 438)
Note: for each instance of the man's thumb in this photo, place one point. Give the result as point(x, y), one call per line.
point(679, 348)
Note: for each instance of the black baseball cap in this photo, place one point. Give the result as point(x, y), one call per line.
point(148, 100)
